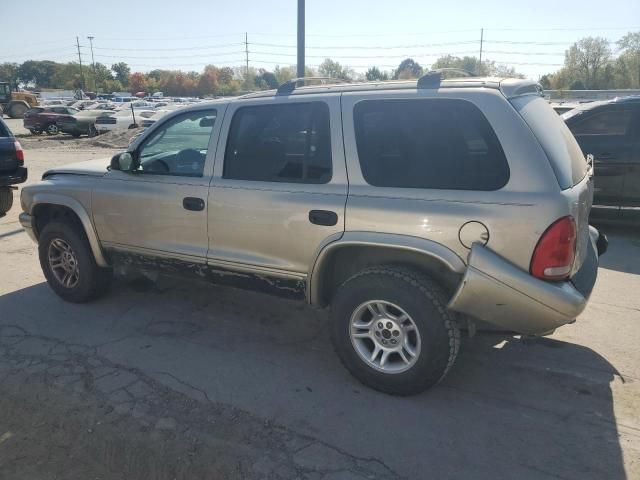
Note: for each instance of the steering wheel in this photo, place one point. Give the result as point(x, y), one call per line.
point(188, 156)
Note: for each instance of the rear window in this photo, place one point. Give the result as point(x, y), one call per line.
point(428, 143)
point(608, 122)
point(557, 141)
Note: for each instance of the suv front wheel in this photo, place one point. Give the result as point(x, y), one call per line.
point(392, 331)
point(68, 263)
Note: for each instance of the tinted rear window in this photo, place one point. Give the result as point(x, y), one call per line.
point(557, 141)
point(607, 122)
point(280, 143)
point(428, 143)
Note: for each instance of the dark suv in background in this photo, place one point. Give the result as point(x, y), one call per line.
point(12, 170)
point(610, 131)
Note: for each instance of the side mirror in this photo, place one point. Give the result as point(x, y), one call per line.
point(122, 161)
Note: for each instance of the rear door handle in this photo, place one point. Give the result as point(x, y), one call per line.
point(193, 203)
point(323, 217)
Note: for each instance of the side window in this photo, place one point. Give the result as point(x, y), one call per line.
point(430, 143)
point(179, 147)
point(280, 143)
point(59, 110)
point(612, 122)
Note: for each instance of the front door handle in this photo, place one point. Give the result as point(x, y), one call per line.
point(323, 217)
point(193, 203)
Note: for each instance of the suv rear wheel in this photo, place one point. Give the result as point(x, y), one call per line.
point(68, 263)
point(391, 329)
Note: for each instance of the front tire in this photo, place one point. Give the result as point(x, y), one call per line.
point(52, 129)
point(68, 263)
point(392, 331)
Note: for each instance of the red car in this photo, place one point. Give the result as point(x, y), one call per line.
point(44, 119)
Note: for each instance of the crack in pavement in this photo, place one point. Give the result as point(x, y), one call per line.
point(129, 393)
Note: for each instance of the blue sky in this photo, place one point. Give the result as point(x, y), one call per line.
point(531, 36)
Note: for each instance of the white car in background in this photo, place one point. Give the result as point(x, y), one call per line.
point(122, 120)
point(159, 113)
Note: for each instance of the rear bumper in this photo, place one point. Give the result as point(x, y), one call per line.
point(26, 221)
point(496, 291)
point(19, 176)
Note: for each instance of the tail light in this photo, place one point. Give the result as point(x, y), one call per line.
point(556, 250)
point(19, 152)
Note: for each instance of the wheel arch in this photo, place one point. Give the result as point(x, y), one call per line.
point(337, 260)
point(48, 207)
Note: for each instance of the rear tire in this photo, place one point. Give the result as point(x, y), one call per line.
point(35, 131)
point(68, 263)
point(406, 311)
point(17, 110)
point(52, 129)
point(92, 132)
point(6, 200)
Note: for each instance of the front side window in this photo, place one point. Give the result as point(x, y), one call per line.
point(428, 143)
point(280, 143)
point(611, 122)
point(179, 147)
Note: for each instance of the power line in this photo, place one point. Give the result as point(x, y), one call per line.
point(196, 55)
point(206, 47)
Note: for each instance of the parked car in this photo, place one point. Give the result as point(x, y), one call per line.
point(610, 131)
point(12, 169)
point(82, 123)
point(45, 119)
point(122, 120)
point(103, 106)
point(412, 209)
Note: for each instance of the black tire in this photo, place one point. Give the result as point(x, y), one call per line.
point(424, 301)
point(93, 281)
point(52, 129)
point(6, 200)
point(92, 132)
point(17, 110)
point(76, 135)
point(35, 131)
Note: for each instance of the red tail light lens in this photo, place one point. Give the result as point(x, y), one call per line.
point(556, 250)
point(19, 152)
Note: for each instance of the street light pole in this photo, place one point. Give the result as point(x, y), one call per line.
point(93, 62)
point(300, 72)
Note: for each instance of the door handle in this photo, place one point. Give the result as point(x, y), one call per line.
point(193, 203)
point(323, 217)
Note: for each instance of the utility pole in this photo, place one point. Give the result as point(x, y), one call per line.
point(481, 41)
point(80, 60)
point(93, 62)
point(300, 72)
point(246, 53)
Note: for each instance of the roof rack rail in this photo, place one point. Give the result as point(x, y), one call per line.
point(432, 78)
point(290, 85)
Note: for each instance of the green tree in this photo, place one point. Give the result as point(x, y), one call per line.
point(374, 74)
point(628, 62)
point(38, 72)
point(408, 68)
point(266, 80)
point(122, 71)
point(586, 59)
point(333, 69)
point(9, 72)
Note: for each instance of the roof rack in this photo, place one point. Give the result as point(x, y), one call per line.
point(290, 85)
point(432, 78)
